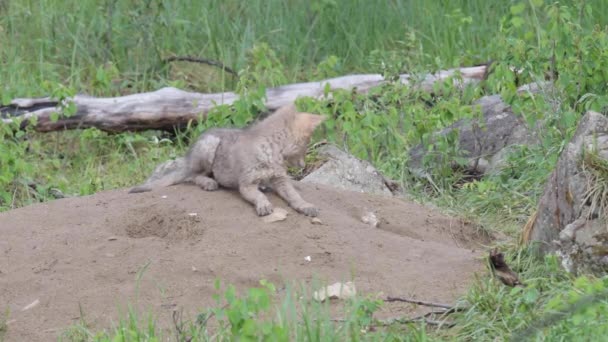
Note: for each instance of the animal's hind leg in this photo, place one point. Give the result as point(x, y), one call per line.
point(200, 164)
point(206, 183)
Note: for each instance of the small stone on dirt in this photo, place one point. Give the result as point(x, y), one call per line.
point(278, 214)
point(336, 291)
point(112, 238)
point(371, 219)
point(192, 214)
point(308, 258)
point(163, 196)
point(316, 220)
point(31, 305)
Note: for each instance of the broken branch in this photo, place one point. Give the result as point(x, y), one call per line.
point(201, 61)
point(403, 320)
point(420, 302)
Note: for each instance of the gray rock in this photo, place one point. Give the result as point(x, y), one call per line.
point(566, 222)
point(344, 171)
point(485, 144)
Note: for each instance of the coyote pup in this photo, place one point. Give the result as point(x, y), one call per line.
point(247, 159)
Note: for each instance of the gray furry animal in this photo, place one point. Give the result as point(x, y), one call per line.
point(247, 159)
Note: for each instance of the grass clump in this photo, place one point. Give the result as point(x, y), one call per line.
point(595, 169)
point(3, 324)
point(553, 305)
point(261, 313)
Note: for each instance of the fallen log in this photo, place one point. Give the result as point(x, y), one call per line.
point(167, 108)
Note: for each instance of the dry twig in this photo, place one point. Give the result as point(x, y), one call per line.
point(420, 302)
point(201, 61)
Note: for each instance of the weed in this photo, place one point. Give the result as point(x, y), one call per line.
point(595, 169)
point(4, 324)
point(262, 313)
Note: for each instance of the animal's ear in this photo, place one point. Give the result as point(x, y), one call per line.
point(307, 122)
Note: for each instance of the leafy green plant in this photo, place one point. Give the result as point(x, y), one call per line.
point(3, 324)
point(239, 315)
point(13, 149)
point(260, 313)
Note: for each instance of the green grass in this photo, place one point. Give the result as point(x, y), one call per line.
point(103, 47)
point(79, 164)
point(506, 313)
point(261, 313)
point(3, 324)
point(108, 48)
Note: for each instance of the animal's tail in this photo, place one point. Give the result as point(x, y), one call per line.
point(139, 188)
point(166, 174)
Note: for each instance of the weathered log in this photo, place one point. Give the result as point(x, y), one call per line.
point(169, 107)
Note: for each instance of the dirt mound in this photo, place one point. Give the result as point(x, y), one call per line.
point(163, 250)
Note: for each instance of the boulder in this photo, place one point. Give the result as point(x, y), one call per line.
point(485, 144)
point(571, 216)
point(346, 172)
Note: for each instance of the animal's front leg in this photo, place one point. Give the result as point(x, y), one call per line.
point(252, 194)
point(286, 190)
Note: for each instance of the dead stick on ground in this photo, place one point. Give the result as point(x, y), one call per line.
point(178, 325)
point(404, 320)
point(444, 311)
point(401, 320)
point(420, 302)
point(441, 312)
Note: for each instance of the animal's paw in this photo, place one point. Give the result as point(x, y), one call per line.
point(264, 208)
point(206, 183)
point(210, 186)
point(308, 210)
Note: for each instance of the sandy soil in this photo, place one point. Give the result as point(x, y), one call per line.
point(85, 254)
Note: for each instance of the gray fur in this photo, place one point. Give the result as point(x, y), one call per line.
point(246, 159)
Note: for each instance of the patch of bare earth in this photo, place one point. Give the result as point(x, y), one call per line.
point(87, 253)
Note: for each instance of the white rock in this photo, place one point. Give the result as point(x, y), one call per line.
point(316, 220)
point(370, 218)
point(336, 291)
point(31, 305)
point(278, 214)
